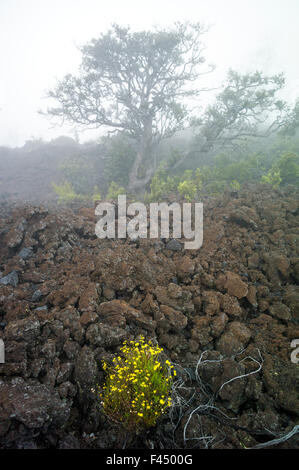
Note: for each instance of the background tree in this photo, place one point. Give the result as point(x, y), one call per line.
point(292, 125)
point(247, 109)
point(135, 83)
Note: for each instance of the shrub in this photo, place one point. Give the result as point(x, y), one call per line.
point(162, 185)
point(114, 190)
point(96, 194)
point(235, 185)
point(187, 189)
point(198, 178)
point(190, 184)
point(215, 187)
point(272, 177)
point(66, 192)
point(137, 388)
point(288, 166)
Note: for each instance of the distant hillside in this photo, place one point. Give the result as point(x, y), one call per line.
point(26, 173)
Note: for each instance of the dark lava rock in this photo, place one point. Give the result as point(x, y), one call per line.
point(36, 296)
point(227, 311)
point(44, 308)
point(174, 245)
point(69, 442)
point(25, 253)
point(34, 405)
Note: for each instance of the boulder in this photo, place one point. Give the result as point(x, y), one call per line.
point(11, 279)
point(235, 286)
point(34, 405)
point(234, 339)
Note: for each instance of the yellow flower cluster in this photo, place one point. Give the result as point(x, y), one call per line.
point(138, 386)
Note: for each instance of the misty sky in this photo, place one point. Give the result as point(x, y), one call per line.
point(38, 40)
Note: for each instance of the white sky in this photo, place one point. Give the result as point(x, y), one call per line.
point(38, 41)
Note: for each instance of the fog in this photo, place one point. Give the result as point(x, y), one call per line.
point(170, 227)
point(39, 39)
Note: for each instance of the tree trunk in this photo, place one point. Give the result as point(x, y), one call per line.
point(143, 156)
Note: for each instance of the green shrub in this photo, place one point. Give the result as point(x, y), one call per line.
point(138, 386)
point(114, 191)
point(162, 185)
point(235, 185)
point(215, 187)
point(187, 189)
point(96, 194)
point(66, 192)
point(288, 166)
point(272, 177)
point(198, 179)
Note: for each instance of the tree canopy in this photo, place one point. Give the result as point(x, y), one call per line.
point(135, 82)
point(139, 84)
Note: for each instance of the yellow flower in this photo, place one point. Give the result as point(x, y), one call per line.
point(139, 369)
